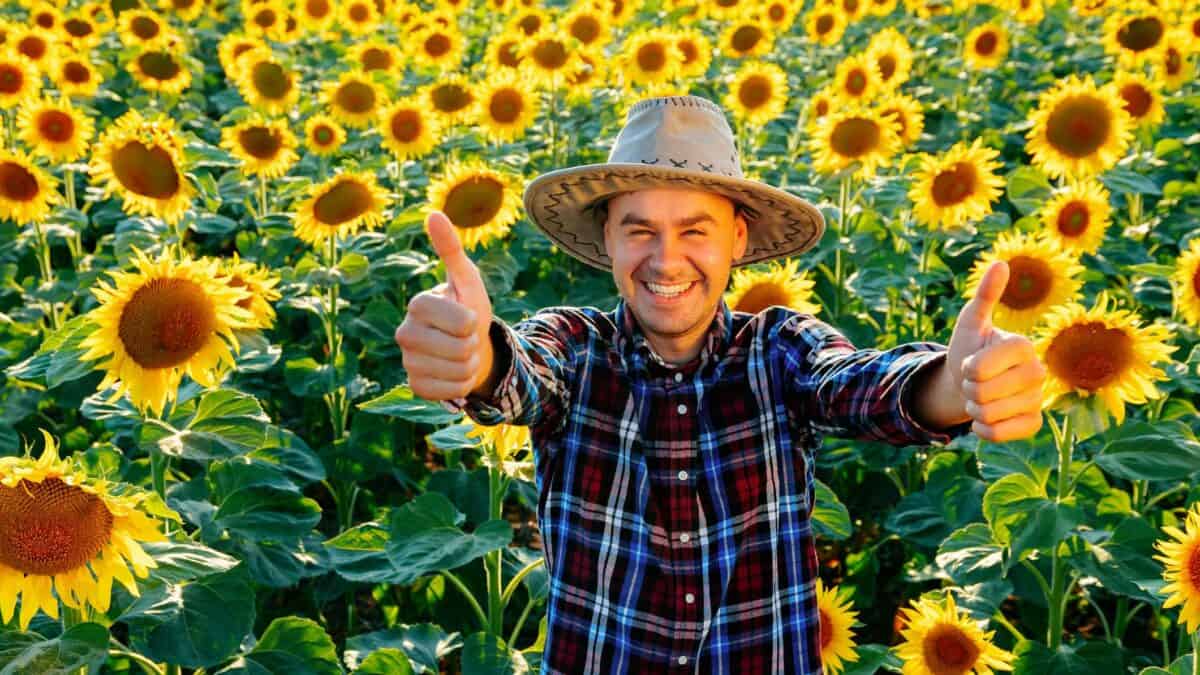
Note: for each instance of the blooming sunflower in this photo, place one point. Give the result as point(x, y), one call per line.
point(1136, 37)
point(80, 33)
point(1079, 129)
point(1180, 556)
point(437, 48)
point(408, 129)
point(323, 135)
point(161, 68)
point(37, 48)
point(45, 16)
point(507, 107)
point(758, 93)
point(547, 58)
point(27, 193)
point(1173, 68)
point(481, 202)
point(161, 321)
point(588, 74)
point(957, 187)
point(65, 536)
point(316, 15)
point(882, 7)
point(852, 9)
point(779, 284)
point(54, 128)
point(854, 135)
point(266, 147)
point(893, 55)
point(825, 25)
point(340, 207)
point(986, 46)
point(857, 79)
point(1076, 216)
point(529, 21)
point(1142, 98)
point(938, 640)
point(748, 37)
point(1041, 277)
point(266, 83)
point(504, 51)
point(837, 634)
point(186, 10)
point(354, 99)
point(260, 284)
point(587, 24)
point(778, 15)
point(19, 79)
point(1101, 352)
point(232, 47)
point(696, 50)
point(1187, 283)
point(453, 98)
point(377, 55)
point(73, 74)
point(142, 28)
point(1091, 7)
point(291, 28)
point(141, 160)
point(725, 10)
point(650, 57)
point(906, 114)
point(1029, 12)
point(265, 19)
point(819, 105)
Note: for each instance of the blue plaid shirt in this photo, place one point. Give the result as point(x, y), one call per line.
point(675, 502)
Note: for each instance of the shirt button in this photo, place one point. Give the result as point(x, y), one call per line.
point(685, 538)
point(678, 377)
point(689, 598)
point(683, 660)
point(682, 475)
point(682, 409)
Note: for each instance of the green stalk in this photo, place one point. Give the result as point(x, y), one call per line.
point(262, 196)
point(1195, 654)
point(843, 205)
point(479, 613)
point(493, 561)
point(1058, 577)
point(515, 582)
point(121, 651)
point(516, 631)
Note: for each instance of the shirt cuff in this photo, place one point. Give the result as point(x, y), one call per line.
point(918, 433)
point(497, 408)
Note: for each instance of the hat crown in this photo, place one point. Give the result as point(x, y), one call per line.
point(681, 132)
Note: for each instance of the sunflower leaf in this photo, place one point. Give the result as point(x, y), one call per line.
point(83, 645)
point(1164, 450)
point(403, 403)
point(292, 645)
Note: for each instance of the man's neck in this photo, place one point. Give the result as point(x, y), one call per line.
point(678, 350)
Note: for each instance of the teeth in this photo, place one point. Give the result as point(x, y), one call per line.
point(668, 291)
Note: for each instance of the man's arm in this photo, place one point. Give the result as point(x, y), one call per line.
point(937, 402)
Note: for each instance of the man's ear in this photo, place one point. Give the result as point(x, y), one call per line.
point(741, 234)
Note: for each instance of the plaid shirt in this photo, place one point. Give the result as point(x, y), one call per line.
point(675, 502)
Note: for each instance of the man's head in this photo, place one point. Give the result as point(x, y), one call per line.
point(671, 252)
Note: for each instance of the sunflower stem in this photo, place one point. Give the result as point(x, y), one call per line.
point(843, 219)
point(262, 195)
point(553, 123)
point(516, 631)
point(1058, 568)
point(494, 560)
point(121, 651)
point(1195, 653)
point(453, 578)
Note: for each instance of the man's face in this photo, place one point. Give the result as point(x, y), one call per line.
point(671, 253)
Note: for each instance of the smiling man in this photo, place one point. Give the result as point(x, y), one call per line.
point(674, 439)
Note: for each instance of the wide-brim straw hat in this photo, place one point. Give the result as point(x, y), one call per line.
point(669, 142)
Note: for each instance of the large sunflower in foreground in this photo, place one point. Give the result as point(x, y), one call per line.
point(508, 105)
point(1101, 352)
point(1041, 277)
point(1076, 216)
point(957, 187)
point(1180, 556)
point(55, 129)
point(1187, 283)
point(939, 640)
point(409, 129)
point(65, 536)
point(266, 147)
point(141, 160)
point(481, 202)
point(27, 193)
point(780, 284)
point(163, 320)
point(758, 93)
point(1079, 129)
point(851, 136)
point(836, 620)
point(339, 207)
point(260, 284)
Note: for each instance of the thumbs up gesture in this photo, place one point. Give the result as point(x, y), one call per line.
point(444, 337)
point(998, 372)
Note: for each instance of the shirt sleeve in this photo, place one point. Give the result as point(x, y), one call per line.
point(862, 394)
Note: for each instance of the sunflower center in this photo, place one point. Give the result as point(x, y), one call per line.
point(948, 651)
point(901, 121)
point(55, 126)
point(270, 80)
point(585, 29)
point(17, 183)
point(584, 72)
point(855, 137)
point(508, 55)
point(1090, 355)
point(376, 59)
point(550, 54)
point(77, 27)
point(158, 65)
point(50, 527)
point(405, 125)
point(856, 83)
point(474, 201)
point(822, 108)
point(317, 9)
point(955, 184)
point(323, 135)
point(1174, 61)
point(267, 18)
point(1137, 100)
point(450, 98)
point(166, 322)
point(183, 4)
point(887, 66)
point(144, 27)
point(33, 47)
point(260, 142)
point(761, 296)
point(754, 91)
point(11, 79)
point(530, 23)
point(776, 12)
point(1028, 284)
point(1196, 282)
point(824, 24)
point(1079, 126)
point(45, 20)
point(437, 45)
point(851, 6)
point(826, 628)
point(359, 13)
point(149, 172)
point(343, 202)
point(74, 72)
point(1073, 219)
point(356, 97)
point(1141, 33)
point(506, 106)
point(689, 50)
point(985, 44)
point(652, 57)
point(745, 38)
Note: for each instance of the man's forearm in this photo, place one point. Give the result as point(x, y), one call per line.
point(937, 402)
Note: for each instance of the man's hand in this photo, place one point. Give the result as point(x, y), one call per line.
point(444, 337)
point(997, 372)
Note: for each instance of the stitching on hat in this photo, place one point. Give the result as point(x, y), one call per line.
point(645, 162)
point(705, 167)
point(677, 163)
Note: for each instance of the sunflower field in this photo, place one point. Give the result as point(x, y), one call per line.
point(211, 222)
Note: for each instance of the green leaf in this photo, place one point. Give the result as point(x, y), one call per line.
point(970, 555)
point(185, 561)
point(487, 654)
point(830, 518)
point(353, 267)
point(425, 538)
point(387, 661)
point(226, 423)
point(1126, 182)
point(1022, 517)
point(871, 659)
point(291, 645)
point(424, 644)
point(83, 645)
point(1028, 189)
point(1180, 666)
point(1164, 450)
point(360, 554)
point(401, 402)
point(1090, 658)
point(1124, 564)
point(308, 379)
point(1033, 457)
point(260, 513)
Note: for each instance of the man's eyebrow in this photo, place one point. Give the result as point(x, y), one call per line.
point(635, 219)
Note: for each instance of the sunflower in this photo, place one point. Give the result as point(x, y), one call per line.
point(316, 15)
point(187, 10)
point(340, 207)
point(504, 51)
point(956, 187)
point(37, 48)
point(857, 79)
point(232, 47)
point(65, 536)
point(748, 37)
point(323, 135)
point(758, 93)
point(1142, 98)
point(825, 25)
point(27, 193)
point(893, 55)
point(142, 28)
point(1042, 276)
point(266, 147)
point(852, 9)
point(819, 105)
point(260, 284)
point(481, 202)
point(1180, 556)
point(291, 29)
point(161, 321)
point(80, 33)
point(938, 639)
point(265, 19)
point(907, 114)
point(696, 50)
point(1136, 37)
point(1173, 68)
point(725, 10)
point(853, 135)
point(1029, 12)
point(1076, 216)
point(161, 69)
point(266, 83)
point(141, 160)
point(588, 74)
point(437, 48)
point(986, 46)
point(1091, 7)
point(529, 22)
point(354, 99)
point(1079, 129)
point(99, 11)
point(930, 8)
point(650, 56)
point(409, 129)
point(778, 15)
point(45, 16)
point(453, 98)
point(19, 80)
point(505, 440)
point(620, 11)
point(1187, 283)
point(836, 622)
point(55, 129)
point(588, 25)
point(1101, 352)
point(377, 55)
point(779, 284)
point(507, 107)
point(547, 59)
point(73, 74)
point(882, 7)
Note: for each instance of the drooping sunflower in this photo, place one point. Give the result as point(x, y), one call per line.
point(437, 48)
point(19, 79)
point(1041, 277)
point(851, 135)
point(837, 634)
point(1142, 98)
point(1077, 215)
point(260, 283)
point(1186, 281)
point(1136, 37)
point(266, 83)
point(1180, 556)
point(504, 51)
point(956, 187)
point(938, 639)
point(1101, 352)
point(409, 129)
point(779, 284)
point(161, 68)
point(316, 16)
point(650, 57)
point(54, 128)
point(266, 147)
point(506, 441)
point(986, 46)
point(323, 135)
point(825, 25)
point(857, 79)
point(547, 58)
point(340, 207)
point(749, 37)
point(27, 193)
point(893, 55)
point(354, 99)
point(1079, 129)
point(141, 159)
point(453, 98)
point(587, 24)
point(481, 202)
point(697, 52)
point(507, 107)
point(142, 28)
point(377, 55)
point(907, 114)
point(66, 536)
point(73, 74)
point(757, 93)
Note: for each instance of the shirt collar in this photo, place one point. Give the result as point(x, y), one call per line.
point(639, 355)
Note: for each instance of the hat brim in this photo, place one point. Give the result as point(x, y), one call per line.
point(562, 203)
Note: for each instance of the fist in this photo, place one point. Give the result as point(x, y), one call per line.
point(444, 336)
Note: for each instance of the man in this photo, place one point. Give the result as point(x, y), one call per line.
point(673, 438)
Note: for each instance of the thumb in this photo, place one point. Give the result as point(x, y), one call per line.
point(461, 274)
point(978, 312)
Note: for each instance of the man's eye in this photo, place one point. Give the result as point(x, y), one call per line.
point(694, 231)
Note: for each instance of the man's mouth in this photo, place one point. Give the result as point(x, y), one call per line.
point(668, 291)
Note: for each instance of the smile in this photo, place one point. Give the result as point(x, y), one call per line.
point(668, 291)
